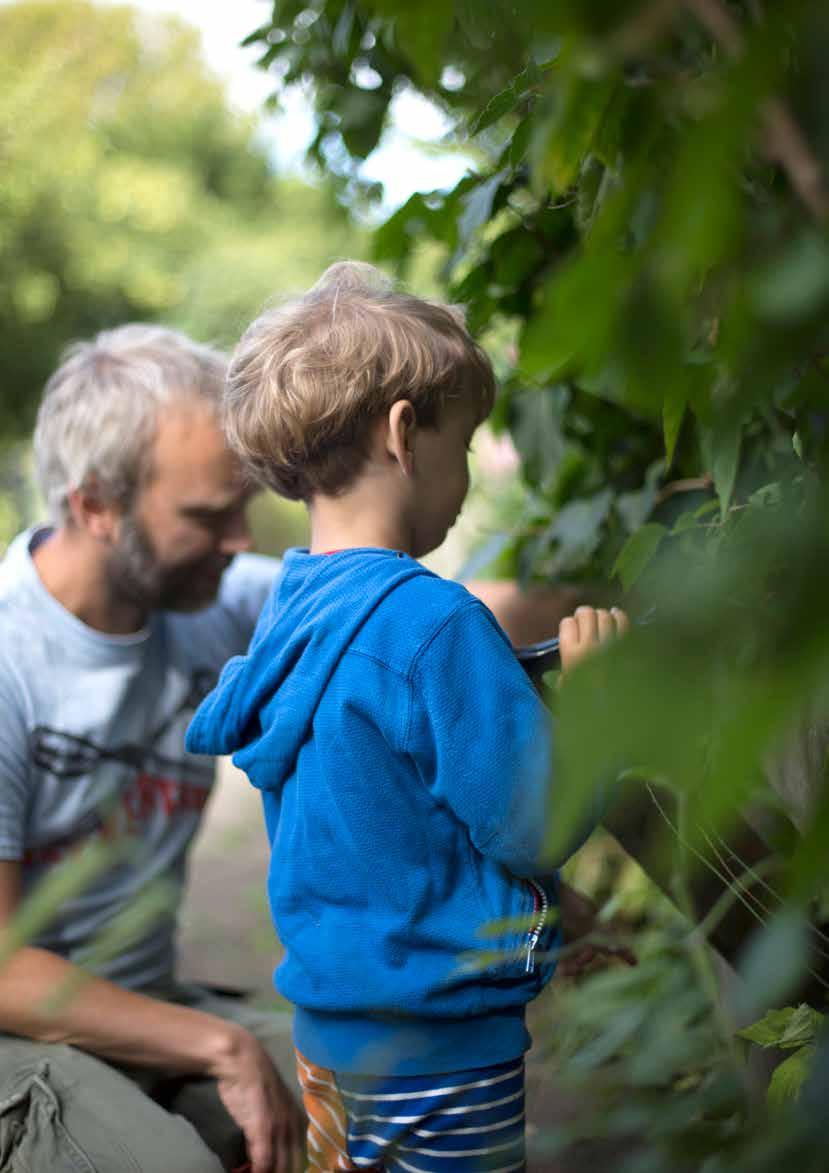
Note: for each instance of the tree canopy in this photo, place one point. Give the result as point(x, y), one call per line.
point(132, 190)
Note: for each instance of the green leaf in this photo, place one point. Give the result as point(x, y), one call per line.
point(343, 31)
point(508, 98)
point(701, 223)
point(572, 328)
point(59, 884)
point(637, 553)
point(722, 449)
point(259, 34)
point(536, 432)
point(576, 528)
point(686, 521)
point(495, 108)
point(803, 1028)
point(422, 31)
point(518, 146)
point(767, 495)
point(477, 206)
point(362, 113)
point(788, 1079)
point(673, 413)
point(726, 458)
point(773, 1027)
point(394, 239)
point(706, 509)
point(774, 961)
point(795, 284)
point(589, 183)
point(635, 507)
point(563, 139)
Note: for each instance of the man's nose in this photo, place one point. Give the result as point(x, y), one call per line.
point(237, 538)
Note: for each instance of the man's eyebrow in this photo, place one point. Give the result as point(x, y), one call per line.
point(216, 508)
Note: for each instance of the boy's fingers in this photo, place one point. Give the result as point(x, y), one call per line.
point(621, 620)
point(569, 642)
point(588, 625)
point(568, 631)
point(606, 625)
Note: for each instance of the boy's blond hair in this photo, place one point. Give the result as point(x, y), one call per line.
point(309, 378)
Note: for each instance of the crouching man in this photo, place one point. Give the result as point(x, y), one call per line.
point(114, 622)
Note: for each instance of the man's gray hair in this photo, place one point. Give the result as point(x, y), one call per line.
point(100, 408)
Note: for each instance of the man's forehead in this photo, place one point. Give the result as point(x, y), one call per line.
point(189, 449)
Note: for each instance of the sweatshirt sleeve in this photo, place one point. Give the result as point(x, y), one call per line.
point(482, 740)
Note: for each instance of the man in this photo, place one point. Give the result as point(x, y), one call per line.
point(113, 624)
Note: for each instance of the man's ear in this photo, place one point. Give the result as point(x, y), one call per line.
point(90, 511)
point(401, 435)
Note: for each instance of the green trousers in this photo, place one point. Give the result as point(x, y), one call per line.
point(65, 1111)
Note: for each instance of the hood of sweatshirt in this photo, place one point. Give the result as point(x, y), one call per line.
point(264, 702)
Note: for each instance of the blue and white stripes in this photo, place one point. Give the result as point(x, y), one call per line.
point(462, 1122)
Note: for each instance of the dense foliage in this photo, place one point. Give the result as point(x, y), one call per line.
point(644, 243)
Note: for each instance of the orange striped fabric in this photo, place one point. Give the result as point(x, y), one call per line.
point(327, 1121)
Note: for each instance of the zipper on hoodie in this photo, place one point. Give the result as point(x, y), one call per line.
point(541, 905)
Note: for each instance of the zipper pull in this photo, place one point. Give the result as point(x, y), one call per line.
point(532, 941)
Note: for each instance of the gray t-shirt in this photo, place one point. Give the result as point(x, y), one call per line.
point(92, 745)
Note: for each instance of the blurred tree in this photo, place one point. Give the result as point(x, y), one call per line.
point(130, 189)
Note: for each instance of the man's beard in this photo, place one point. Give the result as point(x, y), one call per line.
point(137, 576)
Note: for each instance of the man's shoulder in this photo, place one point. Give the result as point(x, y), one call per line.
point(19, 609)
point(224, 628)
point(250, 572)
point(14, 566)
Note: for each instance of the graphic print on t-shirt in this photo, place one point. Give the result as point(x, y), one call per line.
point(172, 784)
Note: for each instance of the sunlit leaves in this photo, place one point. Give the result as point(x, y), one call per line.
point(787, 1028)
point(788, 1079)
point(508, 99)
point(790, 1029)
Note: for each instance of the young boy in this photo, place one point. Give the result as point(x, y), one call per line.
point(403, 756)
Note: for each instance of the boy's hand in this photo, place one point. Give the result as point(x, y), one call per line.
point(579, 923)
point(583, 631)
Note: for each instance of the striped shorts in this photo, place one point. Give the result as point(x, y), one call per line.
point(461, 1122)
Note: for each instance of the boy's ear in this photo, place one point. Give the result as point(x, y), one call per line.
point(401, 435)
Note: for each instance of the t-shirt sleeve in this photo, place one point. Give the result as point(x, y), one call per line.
point(245, 587)
point(482, 740)
point(14, 764)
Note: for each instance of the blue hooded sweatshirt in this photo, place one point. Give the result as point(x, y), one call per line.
point(404, 762)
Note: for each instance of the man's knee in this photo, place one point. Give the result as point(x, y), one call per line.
point(67, 1112)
